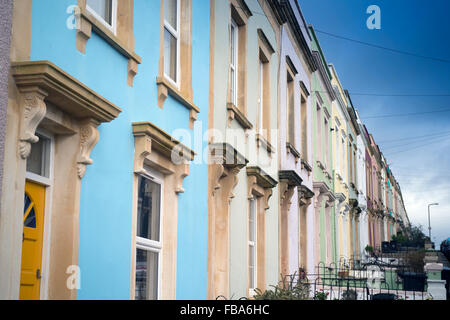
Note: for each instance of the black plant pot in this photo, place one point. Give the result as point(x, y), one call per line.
point(413, 281)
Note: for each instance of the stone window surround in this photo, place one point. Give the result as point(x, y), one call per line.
point(122, 39)
point(305, 196)
point(291, 73)
point(304, 96)
point(181, 91)
point(153, 148)
point(225, 164)
point(265, 52)
point(52, 100)
point(289, 181)
point(323, 195)
point(240, 13)
point(259, 186)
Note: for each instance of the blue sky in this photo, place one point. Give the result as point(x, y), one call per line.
point(421, 165)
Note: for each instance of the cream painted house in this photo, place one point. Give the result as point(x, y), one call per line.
point(297, 216)
point(340, 158)
point(243, 116)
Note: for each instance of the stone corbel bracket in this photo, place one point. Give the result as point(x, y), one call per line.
point(290, 149)
point(166, 88)
point(330, 199)
point(321, 190)
point(305, 195)
point(260, 182)
point(149, 138)
point(234, 113)
point(89, 137)
point(345, 210)
point(216, 172)
point(181, 174)
point(226, 162)
point(289, 180)
point(86, 22)
point(33, 113)
point(40, 82)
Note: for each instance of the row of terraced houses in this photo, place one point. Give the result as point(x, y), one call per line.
point(179, 149)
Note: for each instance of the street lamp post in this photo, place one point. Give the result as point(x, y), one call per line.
point(429, 224)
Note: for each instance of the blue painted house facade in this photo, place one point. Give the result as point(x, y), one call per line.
point(113, 86)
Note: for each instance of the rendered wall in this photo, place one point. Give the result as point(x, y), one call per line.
point(106, 194)
point(6, 11)
point(246, 145)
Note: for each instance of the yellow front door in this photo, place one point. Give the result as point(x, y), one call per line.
point(33, 227)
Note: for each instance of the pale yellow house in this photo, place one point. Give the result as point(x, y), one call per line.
point(340, 118)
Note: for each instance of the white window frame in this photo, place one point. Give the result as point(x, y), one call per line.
point(111, 27)
point(319, 143)
point(326, 141)
point(261, 97)
point(344, 167)
point(147, 244)
point(338, 155)
point(253, 244)
point(304, 127)
point(176, 35)
point(234, 56)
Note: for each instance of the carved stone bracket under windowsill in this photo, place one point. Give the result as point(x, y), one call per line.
point(86, 22)
point(320, 164)
point(306, 166)
point(165, 88)
point(292, 150)
point(262, 142)
point(235, 114)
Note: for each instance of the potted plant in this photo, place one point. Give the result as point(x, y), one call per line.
point(369, 250)
point(321, 295)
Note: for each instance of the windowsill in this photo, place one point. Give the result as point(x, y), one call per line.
point(174, 92)
point(263, 142)
point(109, 36)
point(235, 114)
point(306, 165)
point(320, 164)
point(291, 149)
